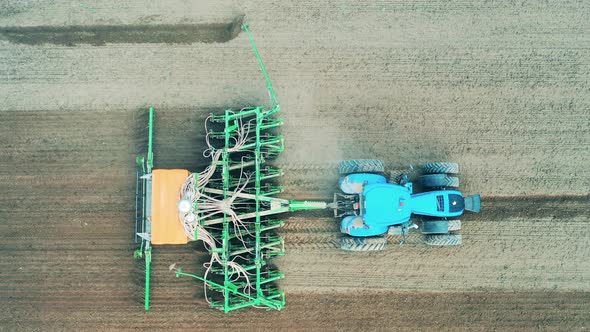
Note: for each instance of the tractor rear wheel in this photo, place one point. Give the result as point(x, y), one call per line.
point(360, 166)
point(440, 167)
point(351, 243)
point(440, 226)
point(443, 240)
point(439, 181)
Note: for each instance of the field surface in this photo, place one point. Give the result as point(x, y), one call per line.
point(501, 87)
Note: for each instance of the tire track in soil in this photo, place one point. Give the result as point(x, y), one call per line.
point(504, 254)
point(516, 243)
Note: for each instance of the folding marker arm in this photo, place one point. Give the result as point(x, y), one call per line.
point(143, 209)
point(273, 97)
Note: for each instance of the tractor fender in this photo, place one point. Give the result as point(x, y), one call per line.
point(355, 226)
point(354, 183)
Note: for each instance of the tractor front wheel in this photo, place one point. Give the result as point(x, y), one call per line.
point(439, 181)
point(440, 167)
point(454, 225)
point(440, 226)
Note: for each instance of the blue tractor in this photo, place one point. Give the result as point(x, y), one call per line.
point(371, 207)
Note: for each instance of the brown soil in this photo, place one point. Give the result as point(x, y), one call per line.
point(367, 311)
point(499, 88)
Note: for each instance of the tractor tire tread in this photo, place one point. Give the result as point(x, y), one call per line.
point(360, 166)
point(351, 243)
point(443, 239)
point(440, 167)
point(454, 225)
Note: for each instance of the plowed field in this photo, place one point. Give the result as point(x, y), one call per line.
point(502, 88)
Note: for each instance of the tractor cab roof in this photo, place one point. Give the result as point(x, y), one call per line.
point(386, 204)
